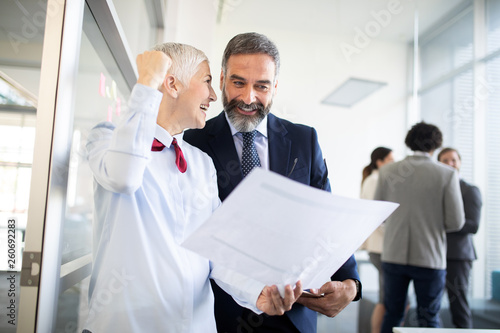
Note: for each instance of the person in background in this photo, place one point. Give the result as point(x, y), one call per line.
point(373, 245)
point(246, 135)
point(147, 181)
point(415, 234)
point(460, 249)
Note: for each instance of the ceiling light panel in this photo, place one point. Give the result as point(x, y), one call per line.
point(352, 91)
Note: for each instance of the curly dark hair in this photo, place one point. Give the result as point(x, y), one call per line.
point(424, 137)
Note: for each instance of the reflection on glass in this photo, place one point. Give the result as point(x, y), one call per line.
point(492, 195)
point(71, 303)
point(449, 49)
point(493, 25)
point(136, 24)
point(100, 90)
point(10, 96)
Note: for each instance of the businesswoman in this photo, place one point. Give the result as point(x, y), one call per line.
point(379, 157)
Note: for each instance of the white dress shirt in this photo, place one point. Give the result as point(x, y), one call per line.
point(142, 279)
point(421, 153)
point(261, 142)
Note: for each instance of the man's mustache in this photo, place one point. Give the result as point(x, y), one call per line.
point(234, 103)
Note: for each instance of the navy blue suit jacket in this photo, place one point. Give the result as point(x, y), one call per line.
point(287, 142)
point(459, 243)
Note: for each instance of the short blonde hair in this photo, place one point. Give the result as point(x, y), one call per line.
point(185, 60)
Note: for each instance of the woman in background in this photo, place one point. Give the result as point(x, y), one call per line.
point(379, 157)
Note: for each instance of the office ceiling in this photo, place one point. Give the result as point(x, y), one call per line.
point(316, 16)
point(334, 16)
point(21, 39)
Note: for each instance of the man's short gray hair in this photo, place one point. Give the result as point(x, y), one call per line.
point(185, 60)
point(251, 43)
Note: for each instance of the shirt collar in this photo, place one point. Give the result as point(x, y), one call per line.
point(261, 128)
point(421, 153)
point(166, 138)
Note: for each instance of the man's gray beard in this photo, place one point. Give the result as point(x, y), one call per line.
point(239, 121)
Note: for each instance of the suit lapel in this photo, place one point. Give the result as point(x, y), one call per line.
point(222, 145)
point(279, 146)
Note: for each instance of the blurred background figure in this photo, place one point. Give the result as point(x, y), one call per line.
point(379, 157)
point(415, 234)
point(461, 252)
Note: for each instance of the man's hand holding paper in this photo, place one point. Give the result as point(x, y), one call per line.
point(275, 242)
point(331, 298)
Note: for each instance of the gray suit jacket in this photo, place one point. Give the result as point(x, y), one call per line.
point(460, 246)
point(430, 205)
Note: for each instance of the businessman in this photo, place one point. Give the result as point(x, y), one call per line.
point(245, 136)
point(460, 249)
point(415, 235)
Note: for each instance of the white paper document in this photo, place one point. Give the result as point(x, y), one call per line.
point(278, 231)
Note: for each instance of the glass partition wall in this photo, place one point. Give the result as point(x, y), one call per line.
point(64, 67)
point(101, 93)
point(22, 27)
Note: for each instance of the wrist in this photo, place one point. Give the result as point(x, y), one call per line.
point(357, 295)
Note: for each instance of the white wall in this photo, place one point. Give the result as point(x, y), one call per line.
point(191, 22)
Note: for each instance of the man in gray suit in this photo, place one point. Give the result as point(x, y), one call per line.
point(415, 235)
point(461, 250)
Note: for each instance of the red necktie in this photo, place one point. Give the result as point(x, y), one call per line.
point(180, 161)
point(157, 145)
